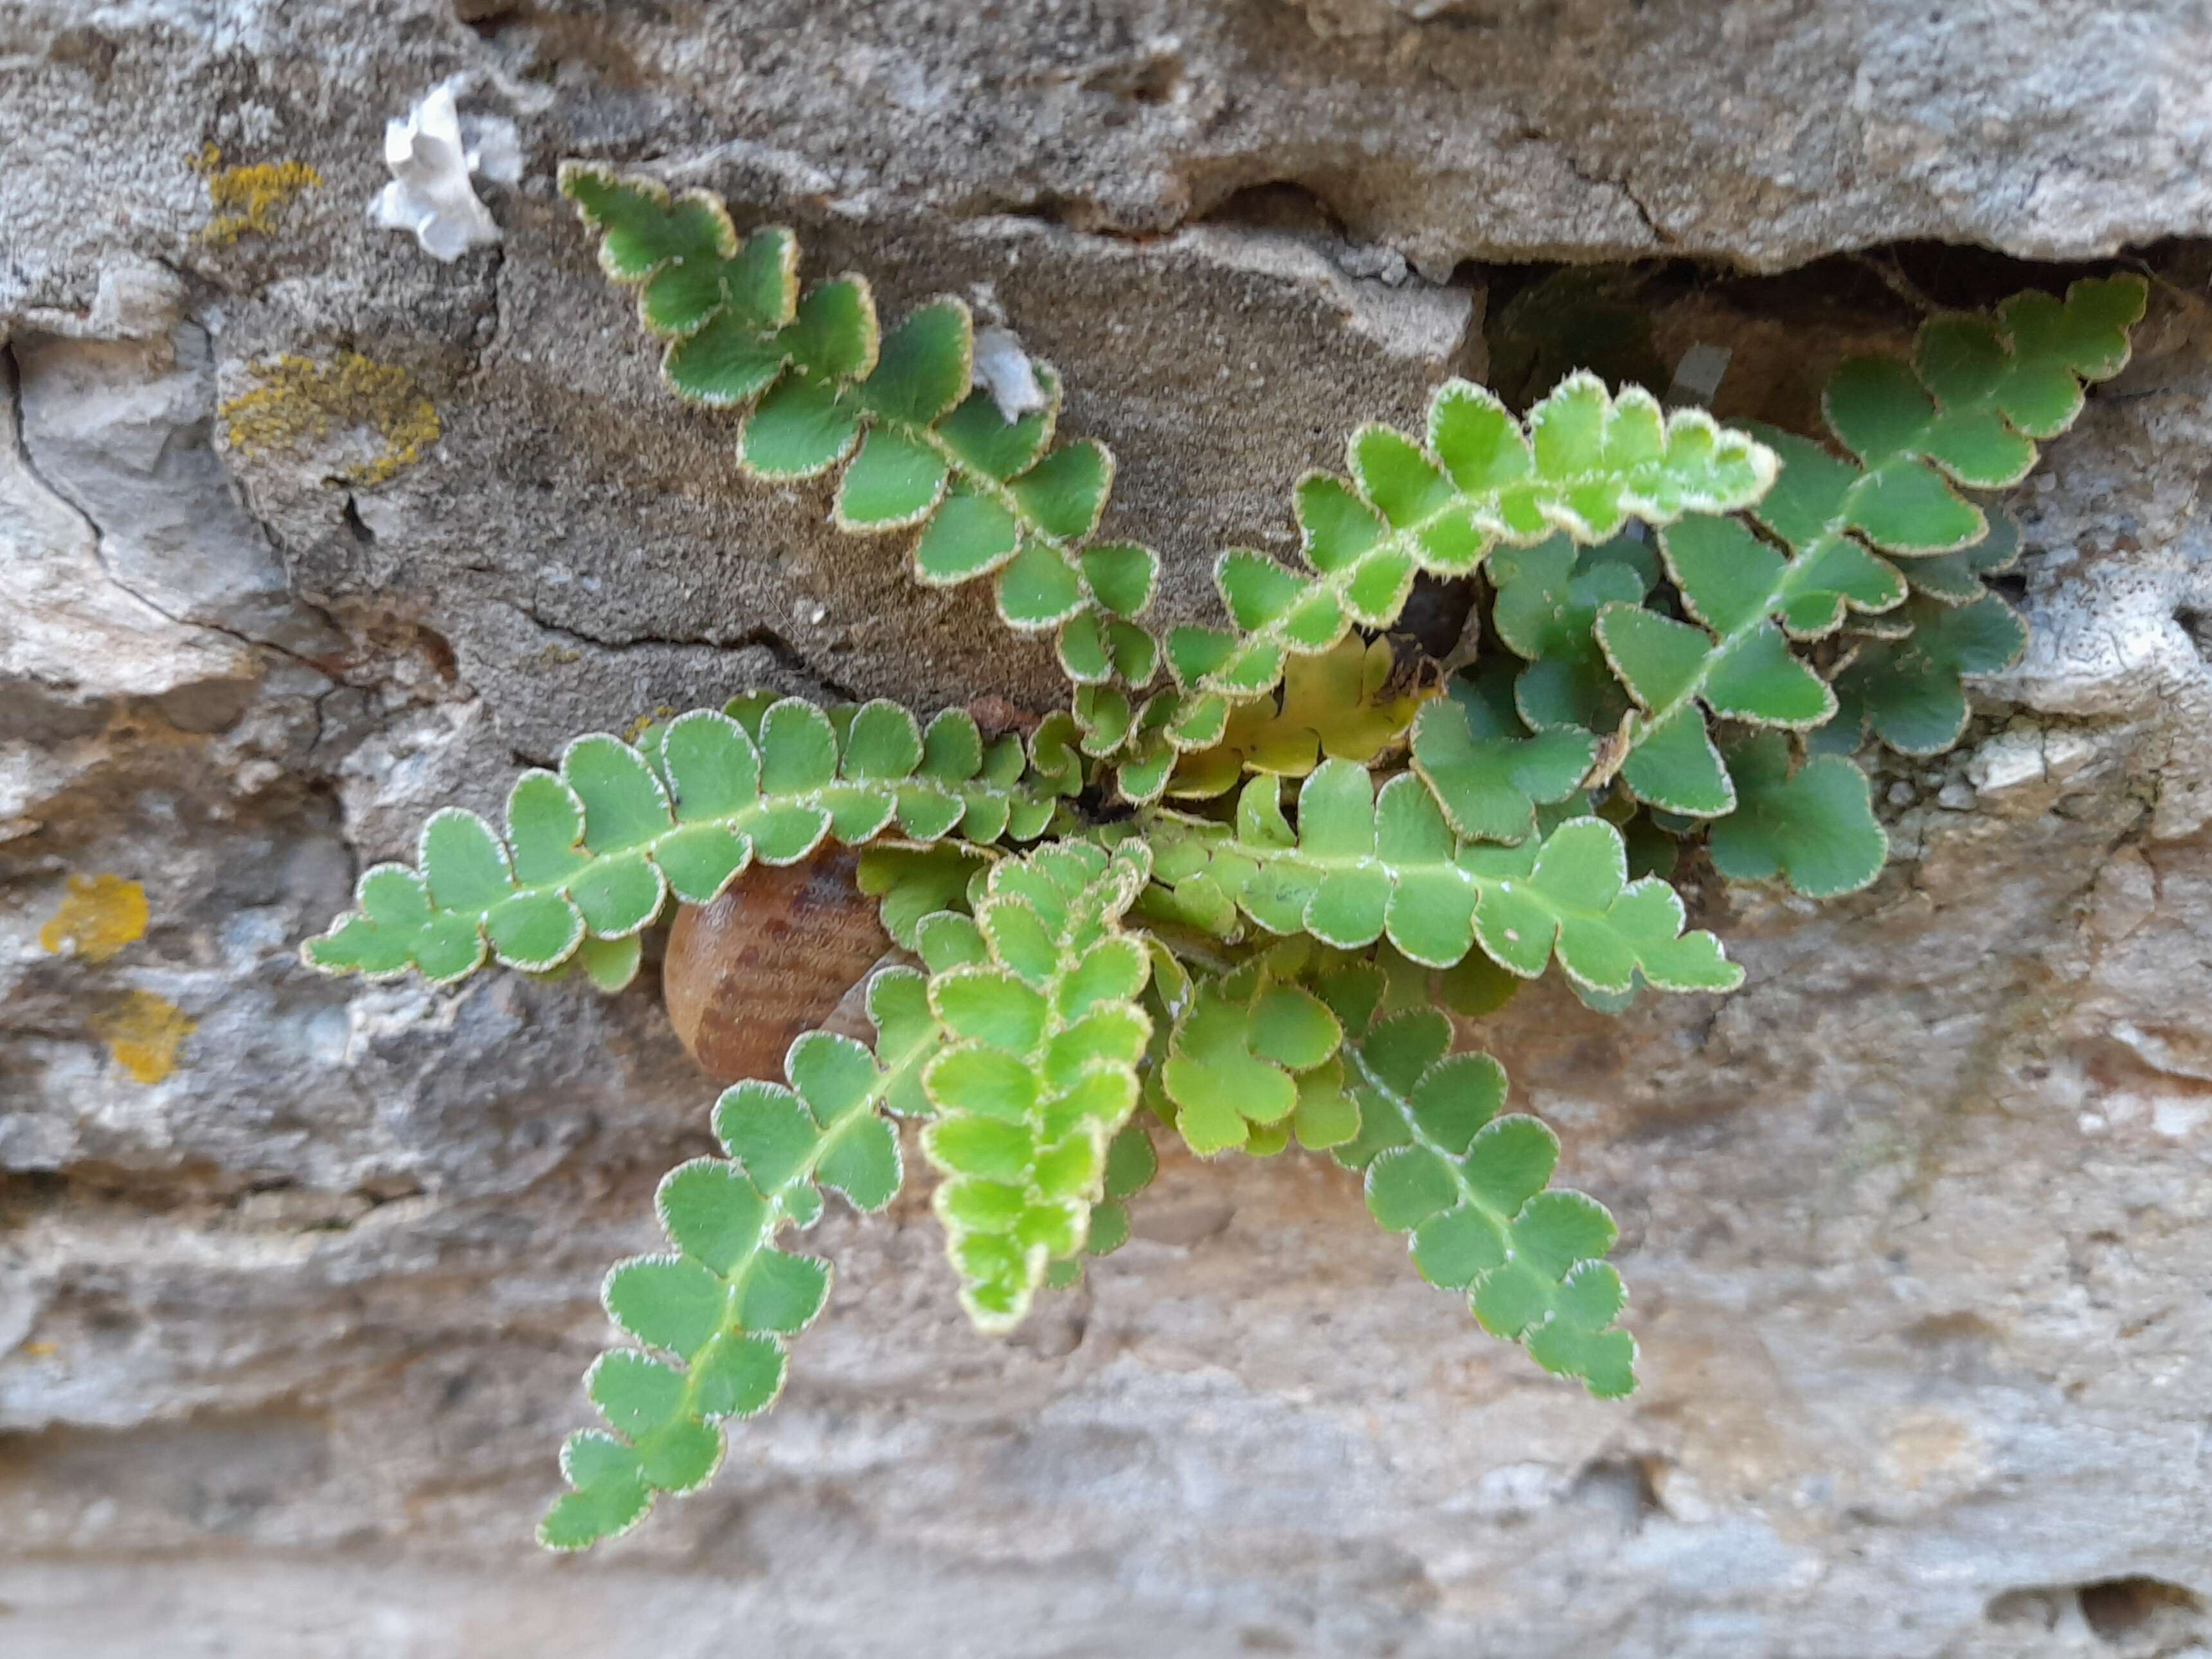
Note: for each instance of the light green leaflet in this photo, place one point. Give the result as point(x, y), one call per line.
point(1038, 991)
point(922, 448)
point(1253, 1060)
point(712, 1317)
point(594, 851)
point(1130, 1164)
point(1361, 865)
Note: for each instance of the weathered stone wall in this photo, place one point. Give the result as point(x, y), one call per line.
point(1919, 1225)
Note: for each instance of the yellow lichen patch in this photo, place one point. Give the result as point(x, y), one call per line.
point(295, 403)
point(638, 728)
point(249, 199)
point(144, 1032)
point(98, 917)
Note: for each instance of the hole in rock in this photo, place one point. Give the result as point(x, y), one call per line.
point(2116, 1610)
point(1623, 1486)
point(2197, 624)
point(2117, 1607)
point(1279, 204)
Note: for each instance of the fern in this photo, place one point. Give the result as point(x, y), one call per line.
point(1694, 627)
point(1967, 411)
point(721, 1305)
point(1359, 866)
point(594, 851)
point(823, 388)
point(1471, 1188)
point(1038, 990)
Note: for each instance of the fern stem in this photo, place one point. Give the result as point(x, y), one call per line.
point(1638, 725)
point(777, 1214)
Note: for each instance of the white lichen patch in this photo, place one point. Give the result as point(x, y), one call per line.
point(1003, 368)
point(431, 192)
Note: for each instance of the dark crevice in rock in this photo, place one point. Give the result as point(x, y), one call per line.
point(183, 1185)
point(2116, 1607)
point(356, 525)
point(2127, 1610)
point(1544, 319)
point(2197, 624)
point(788, 656)
point(1276, 204)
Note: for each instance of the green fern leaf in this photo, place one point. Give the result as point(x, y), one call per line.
point(1814, 827)
point(594, 851)
point(1039, 995)
point(1548, 596)
point(1470, 1185)
point(1910, 691)
point(1361, 865)
point(924, 449)
point(1488, 771)
point(712, 1317)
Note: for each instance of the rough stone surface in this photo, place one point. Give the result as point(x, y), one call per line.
point(1918, 1224)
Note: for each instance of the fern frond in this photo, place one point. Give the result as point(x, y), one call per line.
point(1967, 411)
point(1858, 538)
point(924, 449)
point(1910, 691)
point(713, 1317)
point(1471, 1189)
point(1583, 464)
point(592, 852)
point(1362, 865)
point(1038, 993)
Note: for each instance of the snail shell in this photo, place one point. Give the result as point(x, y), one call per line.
point(775, 956)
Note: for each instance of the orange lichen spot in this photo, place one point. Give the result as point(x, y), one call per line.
point(295, 403)
point(98, 917)
point(144, 1032)
point(249, 199)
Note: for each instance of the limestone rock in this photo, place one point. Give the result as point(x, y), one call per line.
point(1917, 1224)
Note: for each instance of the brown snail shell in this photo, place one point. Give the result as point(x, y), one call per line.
point(775, 956)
